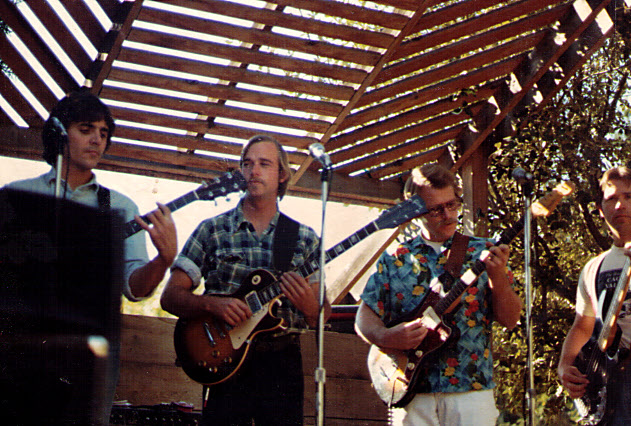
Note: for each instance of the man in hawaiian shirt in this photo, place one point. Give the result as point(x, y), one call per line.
point(458, 386)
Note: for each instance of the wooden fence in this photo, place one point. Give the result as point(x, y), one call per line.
point(149, 376)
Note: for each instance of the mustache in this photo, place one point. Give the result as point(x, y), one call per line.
point(448, 222)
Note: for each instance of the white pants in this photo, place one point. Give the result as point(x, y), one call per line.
point(475, 408)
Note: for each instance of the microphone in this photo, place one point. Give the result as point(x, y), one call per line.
point(59, 128)
point(522, 176)
point(316, 150)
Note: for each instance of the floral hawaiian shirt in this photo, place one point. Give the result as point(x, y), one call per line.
point(399, 285)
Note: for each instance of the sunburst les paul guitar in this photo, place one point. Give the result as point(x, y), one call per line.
point(223, 185)
point(395, 373)
point(210, 351)
point(598, 358)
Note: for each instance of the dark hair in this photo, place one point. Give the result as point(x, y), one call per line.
point(431, 175)
point(77, 107)
point(283, 160)
point(615, 173)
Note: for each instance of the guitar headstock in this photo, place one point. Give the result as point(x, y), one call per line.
point(401, 213)
point(223, 185)
point(546, 204)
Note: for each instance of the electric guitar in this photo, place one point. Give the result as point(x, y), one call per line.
point(223, 185)
point(598, 358)
point(395, 373)
point(210, 351)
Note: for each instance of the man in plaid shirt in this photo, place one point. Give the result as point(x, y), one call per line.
point(224, 250)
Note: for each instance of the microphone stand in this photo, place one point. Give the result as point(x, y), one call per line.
point(527, 187)
point(320, 373)
point(60, 156)
point(62, 141)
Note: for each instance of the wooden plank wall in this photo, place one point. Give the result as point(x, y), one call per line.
point(149, 376)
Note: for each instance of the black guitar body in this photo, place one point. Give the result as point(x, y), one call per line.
point(600, 368)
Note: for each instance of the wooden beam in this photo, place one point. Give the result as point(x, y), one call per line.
point(274, 18)
point(56, 27)
point(246, 55)
point(111, 45)
point(370, 77)
point(224, 92)
point(38, 48)
point(214, 109)
point(540, 61)
point(229, 73)
point(400, 143)
point(254, 36)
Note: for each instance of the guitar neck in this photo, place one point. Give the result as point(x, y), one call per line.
point(472, 274)
point(268, 293)
point(131, 227)
point(311, 267)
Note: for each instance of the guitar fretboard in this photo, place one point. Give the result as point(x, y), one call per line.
point(223, 185)
point(391, 218)
point(268, 293)
point(475, 271)
point(132, 226)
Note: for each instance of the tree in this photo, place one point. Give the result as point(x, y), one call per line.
point(582, 132)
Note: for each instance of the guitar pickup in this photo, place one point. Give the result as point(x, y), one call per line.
point(252, 299)
point(430, 319)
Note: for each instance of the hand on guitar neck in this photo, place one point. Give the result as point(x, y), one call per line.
point(303, 296)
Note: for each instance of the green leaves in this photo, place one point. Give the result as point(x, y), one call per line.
point(585, 130)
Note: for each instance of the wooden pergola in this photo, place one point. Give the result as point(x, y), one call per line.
point(383, 85)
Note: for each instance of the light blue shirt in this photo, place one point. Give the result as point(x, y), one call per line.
point(135, 245)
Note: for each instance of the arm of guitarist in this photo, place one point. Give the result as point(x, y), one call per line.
point(406, 335)
point(571, 378)
point(506, 303)
point(179, 300)
point(163, 234)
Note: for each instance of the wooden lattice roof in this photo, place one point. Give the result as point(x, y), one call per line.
point(384, 85)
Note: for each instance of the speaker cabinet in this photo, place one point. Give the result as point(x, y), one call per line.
point(60, 289)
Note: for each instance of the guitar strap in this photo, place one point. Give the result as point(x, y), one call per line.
point(103, 197)
point(285, 242)
point(455, 259)
point(451, 270)
point(599, 287)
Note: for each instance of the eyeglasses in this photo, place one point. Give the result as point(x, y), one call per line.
point(451, 206)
